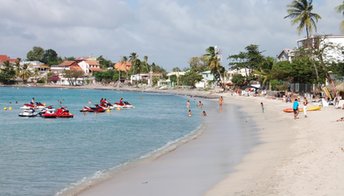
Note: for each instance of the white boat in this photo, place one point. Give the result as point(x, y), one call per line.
point(28, 113)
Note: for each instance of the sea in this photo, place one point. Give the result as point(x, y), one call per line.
point(46, 156)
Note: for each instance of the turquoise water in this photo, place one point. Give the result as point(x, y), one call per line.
point(43, 156)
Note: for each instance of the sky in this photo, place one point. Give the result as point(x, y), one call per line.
point(169, 32)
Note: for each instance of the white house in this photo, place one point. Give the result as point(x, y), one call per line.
point(332, 45)
point(208, 77)
point(286, 55)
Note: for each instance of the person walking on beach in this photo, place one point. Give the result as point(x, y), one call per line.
point(262, 105)
point(305, 103)
point(296, 109)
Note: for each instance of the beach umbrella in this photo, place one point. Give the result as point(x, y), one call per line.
point(340, 87)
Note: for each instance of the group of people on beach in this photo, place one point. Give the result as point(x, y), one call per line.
point(200, 105)
point(296, 106)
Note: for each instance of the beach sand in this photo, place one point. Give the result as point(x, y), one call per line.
point(294, 157)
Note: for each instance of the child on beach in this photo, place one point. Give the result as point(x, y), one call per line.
point(305, 103)
point(296, 109)
point(262, 105)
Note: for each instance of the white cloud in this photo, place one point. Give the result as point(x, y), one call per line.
point(168, 32)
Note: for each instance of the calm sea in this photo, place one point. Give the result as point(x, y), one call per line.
point(43, 156)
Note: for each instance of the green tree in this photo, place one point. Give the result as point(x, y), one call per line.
point(7, 73)
point(300, 12)
point(104, 63)
point(251, 60)
point(51, 57)
point(213, 61)
point(36, 54)
point(264, 72)
point(25, 73)
point(176, 69)
point(105, 77)
point(190, 78)
point(198, 64)
point(238, 80)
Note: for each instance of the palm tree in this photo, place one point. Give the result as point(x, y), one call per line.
point(25, 73)
point(132, 59)
point(340, 9)
point(213, 59)
point(300, 11)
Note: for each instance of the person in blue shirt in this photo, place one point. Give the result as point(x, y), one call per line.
point(296, 108)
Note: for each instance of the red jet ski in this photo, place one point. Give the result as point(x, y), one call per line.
point(59, 113)
point(97, 109)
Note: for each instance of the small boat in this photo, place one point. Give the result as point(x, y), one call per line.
point(58, 113)
point(97, 109)
point(309, 108)
point(28, 113)
point(63, 113)
point(124, 104)
point(49, 111)
point(38, 105)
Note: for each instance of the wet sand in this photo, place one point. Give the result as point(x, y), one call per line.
point(191, 168)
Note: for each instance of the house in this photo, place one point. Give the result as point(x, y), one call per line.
point(286, 55)
point(123, 66)
point(332, 46)
point(4, 58)
point(62, 67)
point(146, 77)
point(169, 82)
point(207, 80)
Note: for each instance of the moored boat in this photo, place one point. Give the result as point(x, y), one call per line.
point(28, 113)
point(124, 104)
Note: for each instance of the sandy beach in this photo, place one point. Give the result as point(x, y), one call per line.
point(294, 157)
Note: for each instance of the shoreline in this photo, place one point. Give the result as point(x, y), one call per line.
point(189, 162)
point(293, 157)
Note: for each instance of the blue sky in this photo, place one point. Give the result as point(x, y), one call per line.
point(168, 32)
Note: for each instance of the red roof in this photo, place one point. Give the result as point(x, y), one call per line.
point(75, 68)
point(67, 63)
point(4, 58)
point(92, 62)
point(123, 66)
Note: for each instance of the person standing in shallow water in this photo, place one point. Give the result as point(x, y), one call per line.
point(220, 103)
point(188, 104)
